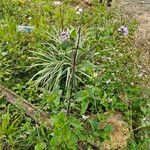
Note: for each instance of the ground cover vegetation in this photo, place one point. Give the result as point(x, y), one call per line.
point(77, 63)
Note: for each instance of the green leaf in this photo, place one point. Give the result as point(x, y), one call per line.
point(88, 67)
point(81, 95)
point(73, 33)
point(56, 140)
point(84, 106)
point(108, 128)
point(66, 133)
point(102, 136)
point(72, 142)
point(75, 123)
point(94, 123)
point(61, 120)
point(40, 146)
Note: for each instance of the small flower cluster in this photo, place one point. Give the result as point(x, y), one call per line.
point(64, 36)
point(124, 30)
point(79, 10)
point(57, 3)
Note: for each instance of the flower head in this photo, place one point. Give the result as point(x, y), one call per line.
point(124, 30)
point(57, 3)
point(64, 36)
point(30, 18)
point(78, 10)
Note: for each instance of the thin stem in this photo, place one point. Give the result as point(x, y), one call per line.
point(74, 57)
point(62, 18)
point(141, 127)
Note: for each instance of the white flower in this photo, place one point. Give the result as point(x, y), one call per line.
point(144, 119)
point(79, 10)
point(64, 110)
point(30, 18)
point(85, 117)
point(78, 13)
point(4, 53)
point(95, 74)
point(109, 58)
point(57, 3)
point(3, 25)
point(132, 83)
point(40, 96)
point(110, 100)
point(52, 134)
point(108, 81)
point(141, 75)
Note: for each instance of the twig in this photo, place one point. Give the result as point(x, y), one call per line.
point(144, 126)
point(37, 115)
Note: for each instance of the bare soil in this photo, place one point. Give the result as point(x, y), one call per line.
point(140, 9)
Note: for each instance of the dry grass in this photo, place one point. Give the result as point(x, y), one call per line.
point(120, 133)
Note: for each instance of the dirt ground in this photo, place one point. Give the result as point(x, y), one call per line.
point(140, 9)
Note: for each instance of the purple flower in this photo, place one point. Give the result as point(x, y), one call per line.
point(124, 30)
point(64, 36)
